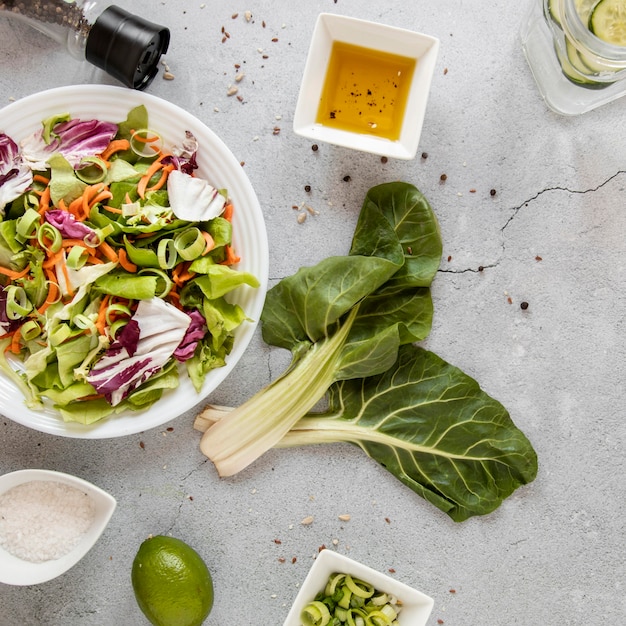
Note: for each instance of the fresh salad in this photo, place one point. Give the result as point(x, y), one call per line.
point(115, 260)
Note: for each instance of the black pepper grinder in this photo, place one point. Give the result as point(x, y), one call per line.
point(124, 45)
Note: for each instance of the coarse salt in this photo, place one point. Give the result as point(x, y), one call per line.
point(44, 520)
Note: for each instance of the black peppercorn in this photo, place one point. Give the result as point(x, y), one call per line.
point(314, 147)
point(307, 188)
point(492, 192)
point(523, 305)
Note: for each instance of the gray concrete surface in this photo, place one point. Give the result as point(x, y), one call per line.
point(553, 554)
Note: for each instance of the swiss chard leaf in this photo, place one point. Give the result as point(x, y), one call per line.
point(433, 428)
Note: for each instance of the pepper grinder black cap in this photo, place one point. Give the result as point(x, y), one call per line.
point(126, 46)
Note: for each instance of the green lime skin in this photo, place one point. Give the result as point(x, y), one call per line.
point(172, 584)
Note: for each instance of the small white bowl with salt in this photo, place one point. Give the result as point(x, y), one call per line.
point(48, 522)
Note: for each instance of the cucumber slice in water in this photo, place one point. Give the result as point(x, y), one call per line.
point(608, 21)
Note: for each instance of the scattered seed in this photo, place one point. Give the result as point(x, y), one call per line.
point(439, 621)
point(224, 39)
point(301, 219)
point(523, 305)
point(293, 559)
point(445, 71)
point(424, 155)
point(248, 16)
point(472, 190)
point(452, 590)
point(274, 39)
point(232, 90)
point(307, 520)
point(392, 570)
point(216, 109)
point(443, 178)
point(538, 258)
point(346, 179)
point(307, 188)
point(383, 159)
point(322, 547)
point(276, 130)
point(240, 98)
point(311, 210)
point(480, 268)
point(388, 520)
point(449, 259)
point(509, 300)
point(263, 23)
point(259, 50)
point(335, 542)
point(277, 542)
point(281, 559)
point(239, 77)
point(492, 192)
point(235, 16)
point(345, 517)
point(142, 445)
point(315, 147)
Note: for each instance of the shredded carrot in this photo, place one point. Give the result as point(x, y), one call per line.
point(112, 209)
point(15, 341)
point(164, 174)
point(108, 252)
point(231, 257)
point(61, 204)
point(227, 214)
point(117, 145)
point(14, 275)
point(44, 200)
point(53, 259)
point(210, 243)
point(125, 262)
point(39, 178)
point(53, 292)
point(93, 396)
point(155, 166)
point(102, 312)
point(103, 195)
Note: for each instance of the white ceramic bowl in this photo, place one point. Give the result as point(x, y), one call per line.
point(377, 37)
point(217, 164)
point(16, 571)
point(416, 606)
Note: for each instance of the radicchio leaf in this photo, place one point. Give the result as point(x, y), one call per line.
point(69, 226)
point(196, 331)
point(7, 325)
point(74, 139)
point(15, 176)
point(156, 330)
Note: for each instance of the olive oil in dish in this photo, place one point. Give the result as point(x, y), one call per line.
point(365, 91)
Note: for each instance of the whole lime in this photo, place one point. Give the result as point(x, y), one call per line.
point(172, 583)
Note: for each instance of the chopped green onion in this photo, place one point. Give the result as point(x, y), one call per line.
point(30, 330)
point(353, 602)
point(315, 614)
point(165, 280)
point(27, 225)
point(49, 233)
point(166, 253)
point(85, 323)
point(77, 257)
point(146, 143)
point(60, 334)
point(190, 244)
point(95, 170)
point(116, 309)
point(17, 305)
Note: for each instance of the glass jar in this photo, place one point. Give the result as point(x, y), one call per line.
point(575, 70)
point(124, 45)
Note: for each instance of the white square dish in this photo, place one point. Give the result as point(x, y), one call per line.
point(375, 38)
point(17, 571)
point(416, 606)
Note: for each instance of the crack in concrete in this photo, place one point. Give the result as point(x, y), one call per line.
point(515, 210)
